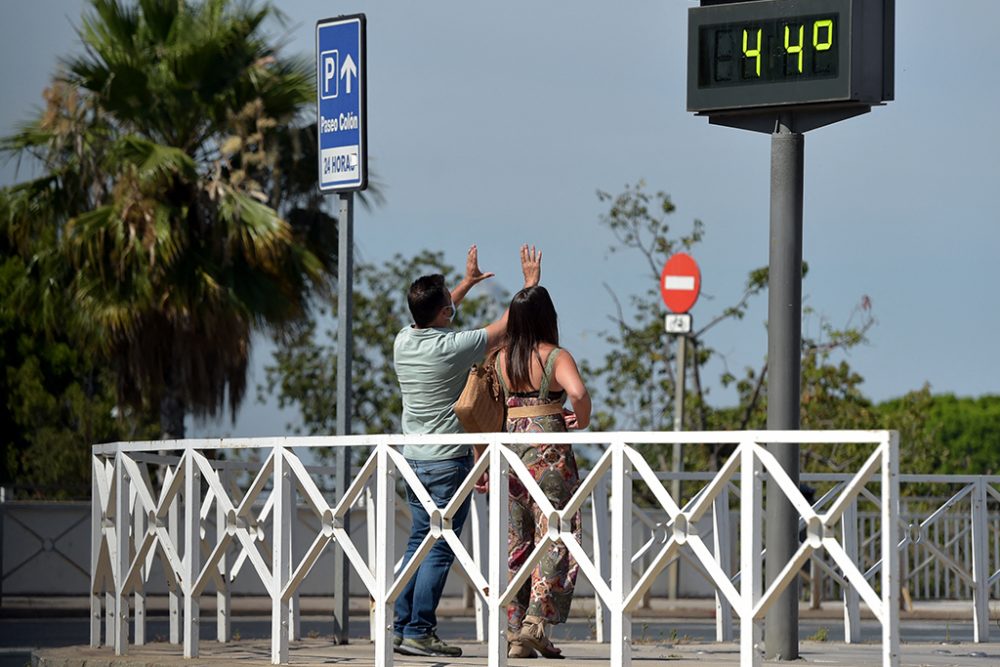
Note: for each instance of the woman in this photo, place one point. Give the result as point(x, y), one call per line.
point(537, 377)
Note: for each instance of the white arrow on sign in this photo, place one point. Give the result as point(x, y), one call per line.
point(346, 70)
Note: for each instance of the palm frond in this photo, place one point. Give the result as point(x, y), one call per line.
point(256, 232)
point(168, 249)
point(154, 160)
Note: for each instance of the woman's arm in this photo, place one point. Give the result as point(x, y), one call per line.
point(568, 377)
point(531, 267)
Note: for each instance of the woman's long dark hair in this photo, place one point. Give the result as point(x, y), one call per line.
point(531, 320)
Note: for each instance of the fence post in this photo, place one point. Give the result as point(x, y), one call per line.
point(96, 535)
point(3, 520)
point(980, 565)
point(750, 548)
point(192, 553)
point(480, 549)
point(122, 554)
point(223, 601)
point(281, 517)
point(815, 583)
point(294, 612)
point(890, 557)
point(385, 550)
point(602, 555)
point(110, 603)
point(139, 596)
point(722, 545)
point(173, 529)
point(371, 518)
point(499, 480)
point(621, 555)
point(852, 601)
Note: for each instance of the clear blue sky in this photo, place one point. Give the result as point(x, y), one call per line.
point(495, 124)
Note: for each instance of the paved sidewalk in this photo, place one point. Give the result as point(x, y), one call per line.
point(312, 652)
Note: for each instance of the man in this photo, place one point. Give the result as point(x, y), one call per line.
point(432, 364)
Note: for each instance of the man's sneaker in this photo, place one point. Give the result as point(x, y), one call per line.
point(429, 645)
point(396, 641)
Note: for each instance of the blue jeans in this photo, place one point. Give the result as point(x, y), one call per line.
point(416, 606)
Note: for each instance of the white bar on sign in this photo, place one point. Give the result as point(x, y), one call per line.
point(679, 282)
point(339, 164)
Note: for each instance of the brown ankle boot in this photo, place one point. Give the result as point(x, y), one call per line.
point(534, 635)
point(518, 649)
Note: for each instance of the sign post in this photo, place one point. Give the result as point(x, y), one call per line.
point(784, 371)
point(342, 150)
point(784, 68)
point(680, 285)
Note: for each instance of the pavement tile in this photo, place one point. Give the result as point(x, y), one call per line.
point(316, 653)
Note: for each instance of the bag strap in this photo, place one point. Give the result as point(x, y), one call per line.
point(503, 383)
point(543, 389)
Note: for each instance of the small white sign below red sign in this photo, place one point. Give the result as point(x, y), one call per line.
point(680, 283)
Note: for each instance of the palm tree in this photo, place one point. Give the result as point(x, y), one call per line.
point(178, 191)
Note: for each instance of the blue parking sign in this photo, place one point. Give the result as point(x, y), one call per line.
point(341, 103)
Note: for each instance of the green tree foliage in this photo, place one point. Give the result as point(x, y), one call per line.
point(955, 435)
point(635, 381)
point(304, 371)
point(937, 434)
point(177, 196)
point(57, 400)
point(637, 376)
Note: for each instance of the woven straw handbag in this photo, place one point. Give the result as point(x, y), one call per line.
point(481, 408)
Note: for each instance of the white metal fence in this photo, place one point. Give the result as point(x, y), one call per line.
point(151, 500)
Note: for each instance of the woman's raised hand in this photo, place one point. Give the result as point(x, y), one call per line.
point(531, 265)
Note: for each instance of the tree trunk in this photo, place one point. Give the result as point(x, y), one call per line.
point(172, 411)
point(713, 449)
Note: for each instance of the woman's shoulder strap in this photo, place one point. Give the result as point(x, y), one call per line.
point(496, 368)
point(550, 363)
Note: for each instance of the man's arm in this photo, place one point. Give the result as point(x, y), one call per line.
point(531, 267)
point(473, 276)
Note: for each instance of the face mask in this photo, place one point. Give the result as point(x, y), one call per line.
point(453, 310)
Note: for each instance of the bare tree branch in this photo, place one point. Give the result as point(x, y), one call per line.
point(729, 312)
point(754, 398)
point(618, 306)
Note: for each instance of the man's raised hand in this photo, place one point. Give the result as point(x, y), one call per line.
point(472, 273)
point(531, 265)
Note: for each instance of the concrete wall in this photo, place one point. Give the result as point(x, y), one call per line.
point(46, 551)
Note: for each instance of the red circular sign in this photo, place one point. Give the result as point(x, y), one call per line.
point(680, 283)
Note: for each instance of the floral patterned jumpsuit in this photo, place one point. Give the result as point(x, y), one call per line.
point(549, 592)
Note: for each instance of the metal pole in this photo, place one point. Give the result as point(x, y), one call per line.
point(677, 464)
point(345, 352)
point(784, 341)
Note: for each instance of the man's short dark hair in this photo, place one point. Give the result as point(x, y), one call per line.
point(427, 296)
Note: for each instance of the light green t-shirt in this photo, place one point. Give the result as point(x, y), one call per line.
point(432, 366)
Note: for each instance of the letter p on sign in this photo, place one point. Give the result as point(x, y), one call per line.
point(331, 79)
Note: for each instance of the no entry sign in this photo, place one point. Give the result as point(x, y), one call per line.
point(680, 283)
